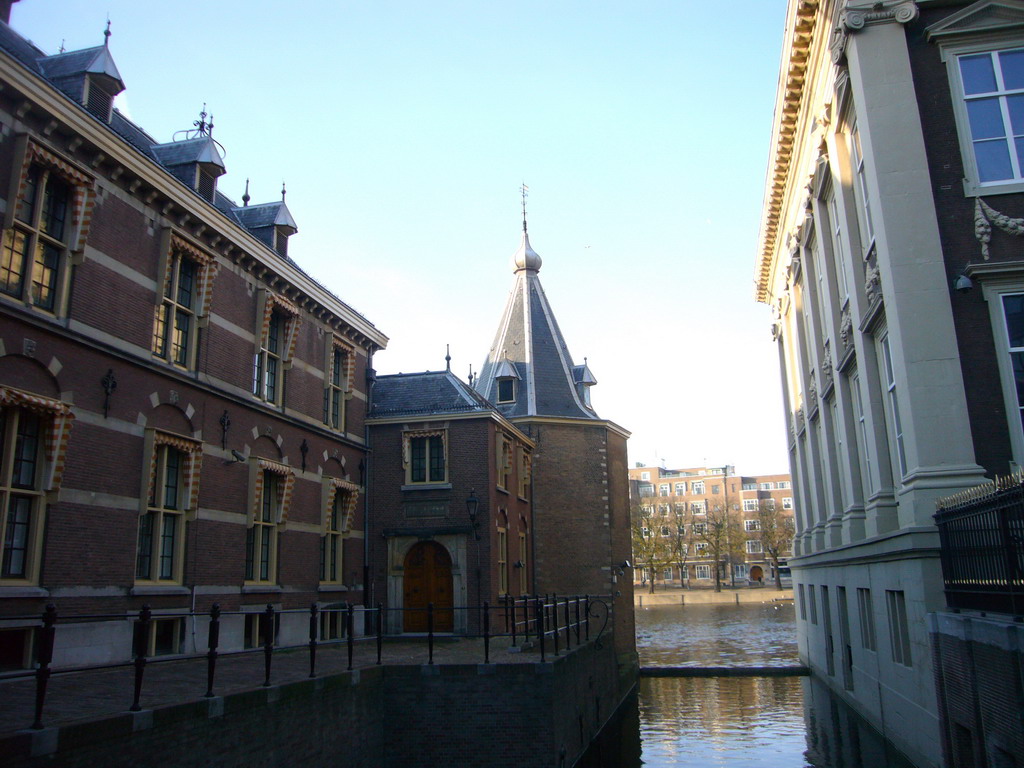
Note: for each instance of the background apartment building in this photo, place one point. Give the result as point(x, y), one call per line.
point(675, 510)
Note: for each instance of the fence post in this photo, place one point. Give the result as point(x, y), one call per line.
point(350, 620)
point(268, 643)
point(586, 616)
point(554, 621)
point(380, 629)
point(577, 606)
point(212, 641)
point(430, 631)
point(312, 640)
point(538, 613)
point(141, 646)
point(44, 655)
point(487, 633)
point(568, 625)
point(513, 618)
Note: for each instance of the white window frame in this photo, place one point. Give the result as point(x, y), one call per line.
point(751, 526)
point(697, 487)
point(787, 502)
point(664, 489)
point(994, 292)
point(680, 489)
point(893, 406)
point(754, 547)
point(702, 571)
point(645, 475)
point(750, 505)
point(951, 53)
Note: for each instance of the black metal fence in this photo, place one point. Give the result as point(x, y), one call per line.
point(982, 538)
point(545, 623)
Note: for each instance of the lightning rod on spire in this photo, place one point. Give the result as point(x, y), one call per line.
point(525, 192)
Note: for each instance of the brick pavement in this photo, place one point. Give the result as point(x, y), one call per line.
point(94, 693)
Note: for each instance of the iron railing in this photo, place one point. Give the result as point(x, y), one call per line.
point(541, 622)
point(981, 532)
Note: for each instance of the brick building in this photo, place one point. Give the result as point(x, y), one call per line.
point(182, 407)
point(889, 252)
point(450, 484)
point(674, 504)
point(580, 486)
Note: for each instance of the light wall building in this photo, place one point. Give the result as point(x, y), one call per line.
point(674, 504)
point(889, 253)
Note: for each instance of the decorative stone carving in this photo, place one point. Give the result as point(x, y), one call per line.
point(855, 18)
point(985, 217)
point(872, 283)
point(826, 368)
point(859, 15)
point(846, 328)
point(812, 391)
point(799, 417)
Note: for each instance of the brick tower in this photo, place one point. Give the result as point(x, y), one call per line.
point(581, 533)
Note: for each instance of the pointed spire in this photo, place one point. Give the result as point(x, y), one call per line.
point(106, 34)
point(245, 197)
point(448, 358)
point(283, 191)
point(525, 192)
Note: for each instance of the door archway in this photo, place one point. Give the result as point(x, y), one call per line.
point(427, 579)
point(756, 573)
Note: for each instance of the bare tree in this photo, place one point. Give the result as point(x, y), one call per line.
point(720, 535)
point(654, 540)
point(776, 534)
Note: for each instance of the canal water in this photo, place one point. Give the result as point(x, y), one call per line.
point(767, 722)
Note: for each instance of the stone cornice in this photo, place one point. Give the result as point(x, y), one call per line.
point(795, 58)
point(800, 26)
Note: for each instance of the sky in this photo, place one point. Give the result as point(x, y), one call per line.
point(404, 129)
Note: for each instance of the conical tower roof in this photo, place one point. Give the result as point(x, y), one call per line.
point(529, 341)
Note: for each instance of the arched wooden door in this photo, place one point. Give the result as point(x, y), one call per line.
point(756, 573)
point(428, 579)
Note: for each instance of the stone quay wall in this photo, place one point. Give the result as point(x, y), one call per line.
point(536, 714)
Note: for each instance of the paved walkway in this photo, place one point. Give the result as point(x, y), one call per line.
point(90, 694)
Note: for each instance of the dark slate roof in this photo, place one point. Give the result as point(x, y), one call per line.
point(528, 337)
point(265, 215)
point(424, 394)
point(201, 149)
point(92, 60)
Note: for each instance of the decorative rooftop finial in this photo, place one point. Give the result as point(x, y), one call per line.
point(525, 191)
point(62, 48)
point(283, 191)
point(471, 374)
point(106, 35)
point(201, 125)
point(245, 197)
point(448, 357)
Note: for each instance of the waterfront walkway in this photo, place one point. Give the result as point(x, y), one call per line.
point(678, 596)
point(101, 692)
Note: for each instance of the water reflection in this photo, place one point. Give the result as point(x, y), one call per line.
point(750, 634)
point(777, 722)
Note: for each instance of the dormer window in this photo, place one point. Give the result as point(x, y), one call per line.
point(207, 184)
point(507, 390)
point(281, 240)
point(98, 99)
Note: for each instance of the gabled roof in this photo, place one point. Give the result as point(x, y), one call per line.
point(424, 394)
point(529, 339)
point(266, 215)
point(201, 149)
point(94, 61)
